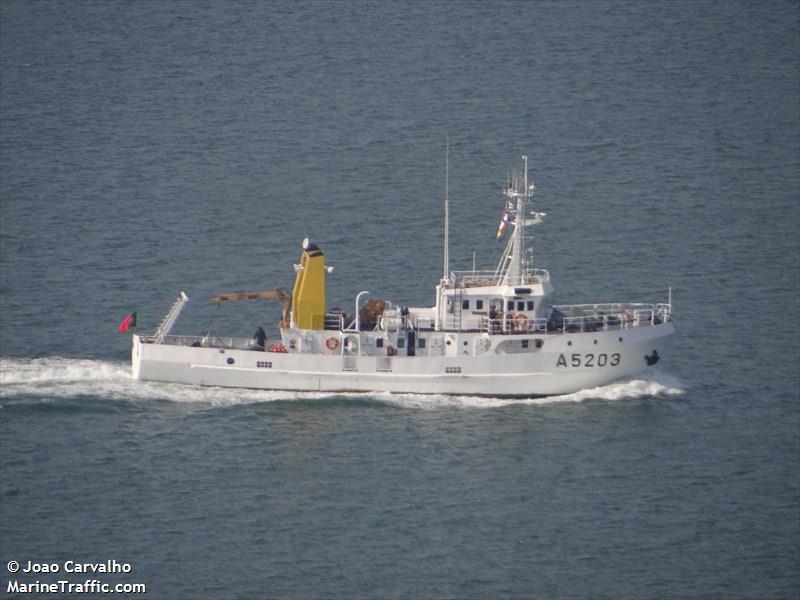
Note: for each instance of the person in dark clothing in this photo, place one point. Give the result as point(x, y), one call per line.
point(493, 325)
point(260, 337)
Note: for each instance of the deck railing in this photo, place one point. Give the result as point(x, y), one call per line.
point(334, 321)
point(492, 278)
point(570, 318)
point(207, 341)
point(563, 318)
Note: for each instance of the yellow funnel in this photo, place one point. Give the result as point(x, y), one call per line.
point(308, 297)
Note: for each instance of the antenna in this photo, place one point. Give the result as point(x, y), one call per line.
point(446, 208)
point(521, 219)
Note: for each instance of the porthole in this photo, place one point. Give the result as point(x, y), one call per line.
point(569, 343)
point(230, 360)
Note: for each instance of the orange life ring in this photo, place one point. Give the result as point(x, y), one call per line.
point(332, 343)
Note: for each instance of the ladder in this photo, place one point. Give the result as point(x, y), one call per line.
point(169, 320)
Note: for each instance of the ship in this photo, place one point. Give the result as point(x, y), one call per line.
point(489, 332)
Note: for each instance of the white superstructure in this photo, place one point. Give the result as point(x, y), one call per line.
point(489, 333)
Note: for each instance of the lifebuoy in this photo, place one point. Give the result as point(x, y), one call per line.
point(332, 343)
point(391, 351)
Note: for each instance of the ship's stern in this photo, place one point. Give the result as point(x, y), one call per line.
point(136, 352)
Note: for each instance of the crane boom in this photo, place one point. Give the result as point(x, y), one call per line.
point(276, 294)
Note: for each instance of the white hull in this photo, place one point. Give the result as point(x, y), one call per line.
point(565, 363)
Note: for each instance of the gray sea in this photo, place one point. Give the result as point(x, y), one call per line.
point(152, 147)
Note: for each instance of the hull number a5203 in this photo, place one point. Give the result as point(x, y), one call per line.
point(589, 360)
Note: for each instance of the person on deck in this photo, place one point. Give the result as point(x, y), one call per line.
point(260, 337)
point(493, 324)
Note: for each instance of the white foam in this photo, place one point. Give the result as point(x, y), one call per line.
point(657, 385)
point(32, 371)
point(56, 377)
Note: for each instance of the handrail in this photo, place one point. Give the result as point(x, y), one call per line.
point(594, 317)
point(170, 318)
point(608, 306)
point(202, 341)
point(487, 278)
point(334, 321)
point(514, 325)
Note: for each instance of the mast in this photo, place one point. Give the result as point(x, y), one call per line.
point(440, 289)
point(513, 265)
point(446, 270)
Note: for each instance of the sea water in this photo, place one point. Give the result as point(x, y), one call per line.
point(149, 148)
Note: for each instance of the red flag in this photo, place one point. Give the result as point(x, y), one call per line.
point(128, 322)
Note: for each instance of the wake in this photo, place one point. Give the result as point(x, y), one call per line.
point(55, 377)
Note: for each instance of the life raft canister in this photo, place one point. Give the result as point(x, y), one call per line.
point(332, 343)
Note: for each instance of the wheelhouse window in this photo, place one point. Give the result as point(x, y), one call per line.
point(478, 304)
point(465, 304)
point(530, 304)
point(510, 305)
point(521, 305)
point(379, 343)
